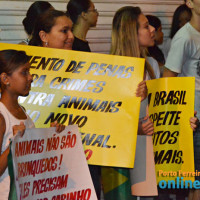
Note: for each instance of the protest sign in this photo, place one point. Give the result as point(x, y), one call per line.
point(51, 166)
point(94, 91)
point(171, 104)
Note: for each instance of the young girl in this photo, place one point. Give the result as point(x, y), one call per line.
point(15, 81)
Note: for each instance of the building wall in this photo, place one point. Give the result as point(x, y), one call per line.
point(13, 12)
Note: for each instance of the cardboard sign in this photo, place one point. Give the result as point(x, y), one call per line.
point(51, 166)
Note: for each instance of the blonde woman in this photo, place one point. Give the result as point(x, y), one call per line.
point(131, 35)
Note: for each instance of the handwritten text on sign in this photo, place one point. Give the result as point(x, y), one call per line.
point(51, 166)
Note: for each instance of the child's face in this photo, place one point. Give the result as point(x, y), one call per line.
point(20, 80)
point(159, 36)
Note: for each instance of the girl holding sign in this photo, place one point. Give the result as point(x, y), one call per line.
point(131, 35)
point(15, 81)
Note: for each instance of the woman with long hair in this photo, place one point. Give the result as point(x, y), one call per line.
point(131, 35)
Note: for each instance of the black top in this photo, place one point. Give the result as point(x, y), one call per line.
point(80, 45)
point(157, 54)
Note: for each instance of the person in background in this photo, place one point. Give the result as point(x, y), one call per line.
point(33, 12)
point(184, 61)
point(181, 16)
point(84, 15)
point(54, 30)
point(155, 51)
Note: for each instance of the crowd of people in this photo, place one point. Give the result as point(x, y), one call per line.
point(133, 35)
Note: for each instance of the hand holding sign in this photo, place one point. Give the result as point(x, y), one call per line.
point(147, 126)
point(141, 90)
point(59, 127)
point(19, 129)
point(194, 121)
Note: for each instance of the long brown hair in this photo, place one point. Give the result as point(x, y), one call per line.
point(125, 35)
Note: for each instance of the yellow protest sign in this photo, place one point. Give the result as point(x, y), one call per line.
point(94, 91)
point(171, 104)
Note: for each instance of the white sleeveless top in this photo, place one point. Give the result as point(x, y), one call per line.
point(10, 122)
